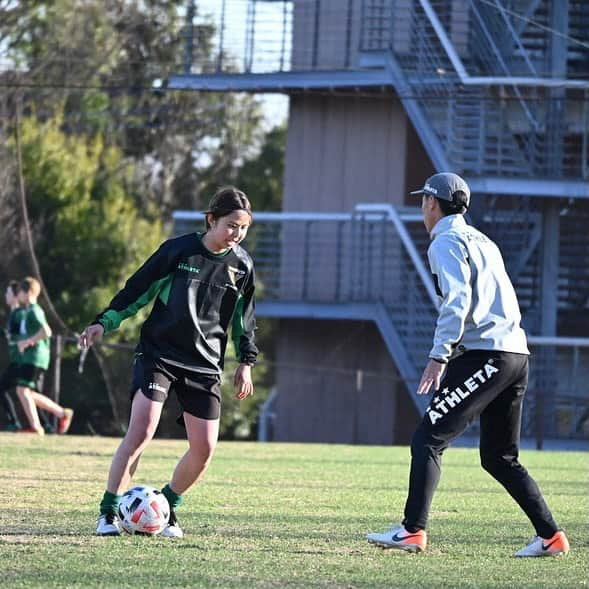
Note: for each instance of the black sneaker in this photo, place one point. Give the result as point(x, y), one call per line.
point(173, 529)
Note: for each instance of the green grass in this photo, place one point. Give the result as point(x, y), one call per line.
point(280, 515)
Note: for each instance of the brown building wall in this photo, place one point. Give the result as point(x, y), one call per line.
point(322, 399)
point(343, 150)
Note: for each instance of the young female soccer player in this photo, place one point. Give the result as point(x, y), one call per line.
point(202, 284)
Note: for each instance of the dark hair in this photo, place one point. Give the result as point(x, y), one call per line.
point(226, 200)
point(14, 287)
point(457, 206)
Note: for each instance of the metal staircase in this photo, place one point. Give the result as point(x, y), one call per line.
point(473, 81)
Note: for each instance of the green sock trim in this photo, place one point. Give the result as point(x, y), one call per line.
point(173, 498)
point(110, 503)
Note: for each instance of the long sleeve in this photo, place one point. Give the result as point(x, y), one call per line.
point(244, 324)
point(449, 264)
point(142, 287)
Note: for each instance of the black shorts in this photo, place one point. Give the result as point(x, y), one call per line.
point(198, 394)
point(9, 377)
point(31, 376)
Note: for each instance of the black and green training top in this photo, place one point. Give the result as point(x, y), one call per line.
point(198, 296)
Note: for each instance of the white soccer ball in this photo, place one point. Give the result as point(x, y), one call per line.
point(144, 510)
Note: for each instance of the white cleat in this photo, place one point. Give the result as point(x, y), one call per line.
point(108, 525)
point(173, 529)
point(558, 545)
point(401, 539)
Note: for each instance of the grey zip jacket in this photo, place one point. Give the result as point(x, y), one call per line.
point(478, 304)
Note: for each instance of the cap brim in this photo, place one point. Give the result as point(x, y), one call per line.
point(420, 191)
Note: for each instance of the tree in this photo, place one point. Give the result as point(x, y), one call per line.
point(89, 233)
point(107, 155)
point(95, 63)
point(261, 177)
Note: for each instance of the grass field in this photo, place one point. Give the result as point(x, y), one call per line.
point(280, 515)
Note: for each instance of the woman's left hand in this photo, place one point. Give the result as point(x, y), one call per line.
point(244, 387)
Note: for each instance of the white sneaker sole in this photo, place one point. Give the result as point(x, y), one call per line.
point(543, 555)
point(176, 533)
point(413, 548)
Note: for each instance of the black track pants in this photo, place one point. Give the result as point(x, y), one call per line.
point(490, 385)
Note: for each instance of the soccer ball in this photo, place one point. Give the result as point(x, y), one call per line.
point(144, 510)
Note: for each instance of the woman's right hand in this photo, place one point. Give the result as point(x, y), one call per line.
point(91, 334)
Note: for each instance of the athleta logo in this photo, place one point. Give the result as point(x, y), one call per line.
point(183, 266)
point(156, 387)
point(440, 406)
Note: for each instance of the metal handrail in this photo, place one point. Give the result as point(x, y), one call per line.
point(397, 221)
point(467, 79)
point(531, 118)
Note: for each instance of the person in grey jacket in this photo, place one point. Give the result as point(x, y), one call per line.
point(478, 368)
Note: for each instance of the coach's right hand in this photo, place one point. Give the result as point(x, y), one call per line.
point(91, 334)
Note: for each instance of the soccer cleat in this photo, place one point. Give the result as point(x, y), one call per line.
point(557, 545)
point(401, 539)
point(32, 430)
point(63, 424)
point(173, 529)
point(108, 525)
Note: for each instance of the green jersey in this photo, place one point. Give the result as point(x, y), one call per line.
point(32, 319)
point(12, 334)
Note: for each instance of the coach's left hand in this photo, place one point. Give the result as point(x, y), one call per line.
point(244, 387)
point(432, 375)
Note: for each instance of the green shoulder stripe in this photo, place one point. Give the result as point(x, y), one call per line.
point(111, 319)
point(165, 290)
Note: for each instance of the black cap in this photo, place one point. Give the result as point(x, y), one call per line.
point(443, 186)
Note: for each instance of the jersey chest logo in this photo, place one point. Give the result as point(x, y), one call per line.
point(235, 274)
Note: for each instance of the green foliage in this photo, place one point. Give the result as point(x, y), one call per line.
point(106, 57)
point(281, 515)
point(261, 177)
point(89, 235)
point(107, 156)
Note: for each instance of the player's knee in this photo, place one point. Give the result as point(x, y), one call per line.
point(139, 436)
point(423, 443)
point(493, 463)
point(202, 452)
